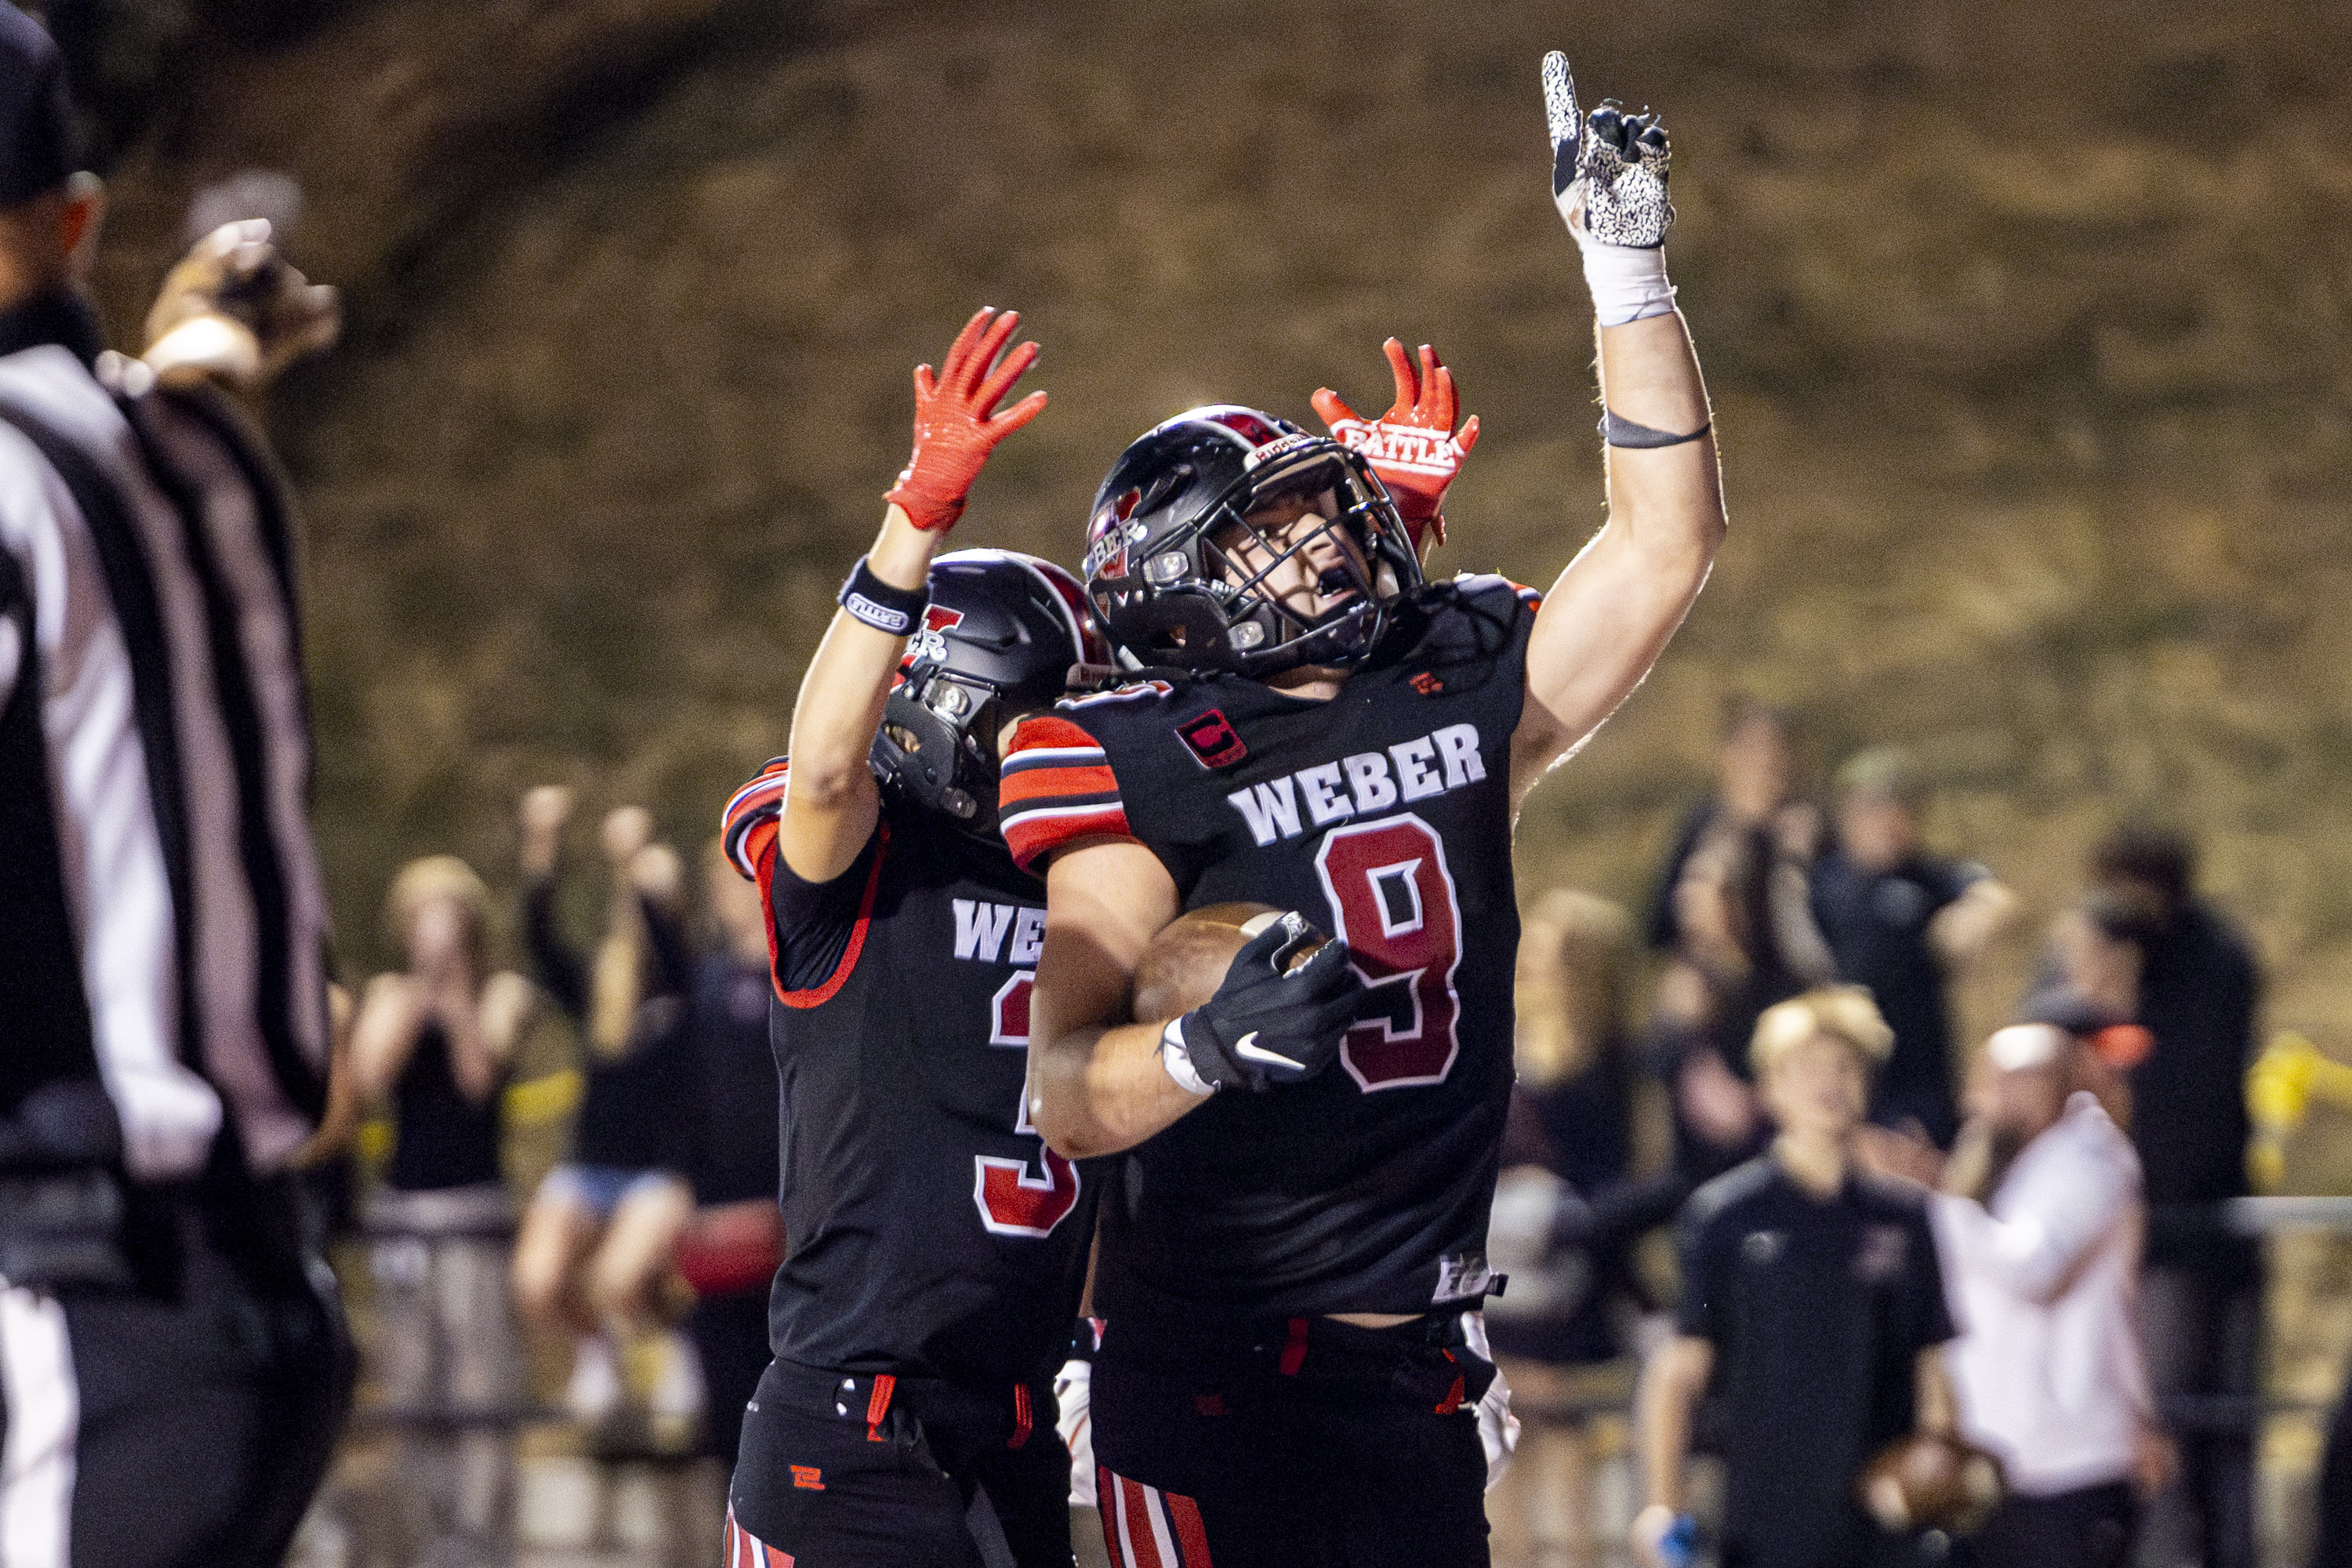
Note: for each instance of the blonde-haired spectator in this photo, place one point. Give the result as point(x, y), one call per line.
point(1903, 922)
point(1812, 1309)
point(434, 1041)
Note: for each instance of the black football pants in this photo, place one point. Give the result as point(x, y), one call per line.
point(1316, 1446)
point(2091, 1527)
point(178, 1429)
point(826, 1486)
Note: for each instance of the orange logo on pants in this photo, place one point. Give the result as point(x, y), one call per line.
point(808, 1478)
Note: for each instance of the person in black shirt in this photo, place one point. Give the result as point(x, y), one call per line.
point(1730, 912)
point(729, 1251)
point(173, 1364)
point(935, 1247)
point(2201, 1287)
point(1811, 1311)
point(436, 1041)
point(1900, 922)
point(596, 1242)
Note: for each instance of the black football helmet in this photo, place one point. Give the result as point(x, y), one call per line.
point(1166, 590)
point(999, 638)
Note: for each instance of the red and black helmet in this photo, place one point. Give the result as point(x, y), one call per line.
point(1168, 595)
point(998, 639)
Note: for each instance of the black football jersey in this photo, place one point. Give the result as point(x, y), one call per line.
point(1385, 815)
point(929, 1230)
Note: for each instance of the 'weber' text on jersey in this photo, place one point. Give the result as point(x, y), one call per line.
point(929, 1231)
point(1384, 815)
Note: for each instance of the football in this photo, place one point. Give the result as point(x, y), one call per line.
point(1924, 1482)
point(1187, 959)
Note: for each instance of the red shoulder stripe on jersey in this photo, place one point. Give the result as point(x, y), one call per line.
point(747, 826)
point(818, 995)
point(1058, 787)
point(1042, 832)
point(1045, 729)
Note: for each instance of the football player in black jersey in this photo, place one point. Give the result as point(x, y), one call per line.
point(936, 1248)
point(1293, 1241)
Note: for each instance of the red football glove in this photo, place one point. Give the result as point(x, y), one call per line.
point(1413, 447)
point(954, 430)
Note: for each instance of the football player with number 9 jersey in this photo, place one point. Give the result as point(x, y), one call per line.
point(937, 1248)
point(1293, 1238)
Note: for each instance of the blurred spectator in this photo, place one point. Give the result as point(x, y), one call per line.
point(730, 1251)
point(2200, 1293)
point(1901, 922)
point(2332, 1546)
point(1730, 912)
point(436, 1041)
point(1730, 917)
point(1813, 1308)
point(1568, 1136)
point(598, 1237)
point(171, 1354)
point(2040, 1229)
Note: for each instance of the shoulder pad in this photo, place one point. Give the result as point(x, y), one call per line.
point(1134, 691)
point(748, 825)
point(1058, 787)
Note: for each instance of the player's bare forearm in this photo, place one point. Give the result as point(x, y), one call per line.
point(1612, 611)
point(1099, 1090)
point(830, 797)
point(1097, 1083)
point(1670, 1390)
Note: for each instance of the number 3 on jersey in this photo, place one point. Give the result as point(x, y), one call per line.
point(1011, 1200)
point(1392, 901)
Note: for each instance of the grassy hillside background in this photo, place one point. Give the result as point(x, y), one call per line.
point(2028, 335)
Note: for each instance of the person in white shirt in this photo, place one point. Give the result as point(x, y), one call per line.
point(2039, 1227)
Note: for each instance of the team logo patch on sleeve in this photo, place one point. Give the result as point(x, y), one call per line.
point(1211, 740)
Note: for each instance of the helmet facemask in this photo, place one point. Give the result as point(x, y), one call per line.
point(999, 638)
point(1220, 590)
point(938, 739)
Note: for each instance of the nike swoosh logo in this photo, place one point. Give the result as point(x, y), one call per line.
point(1247, 1045)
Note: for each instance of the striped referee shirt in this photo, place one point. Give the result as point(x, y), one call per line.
point(154, 639)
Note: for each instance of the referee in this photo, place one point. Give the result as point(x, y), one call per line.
point(173, 1362)
point(1811, 1308)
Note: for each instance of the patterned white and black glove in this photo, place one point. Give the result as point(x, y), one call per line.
point(1270, 1021)
point(1609, 172)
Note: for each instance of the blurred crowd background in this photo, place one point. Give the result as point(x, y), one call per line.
point(2027, 329)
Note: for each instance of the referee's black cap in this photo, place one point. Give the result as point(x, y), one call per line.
point(40, 146)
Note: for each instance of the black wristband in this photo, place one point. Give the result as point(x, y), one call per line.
point(894, 611)
point(1620, 432)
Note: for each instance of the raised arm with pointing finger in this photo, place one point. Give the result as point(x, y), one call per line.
point(1100, 1085)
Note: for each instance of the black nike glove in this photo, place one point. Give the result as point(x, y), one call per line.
point(1269, 1021)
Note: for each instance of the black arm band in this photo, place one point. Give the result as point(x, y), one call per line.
point(893, 611)
point(1620, 432)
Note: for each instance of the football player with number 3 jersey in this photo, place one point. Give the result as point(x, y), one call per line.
point(1293, 1240)
point(937, 1248)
